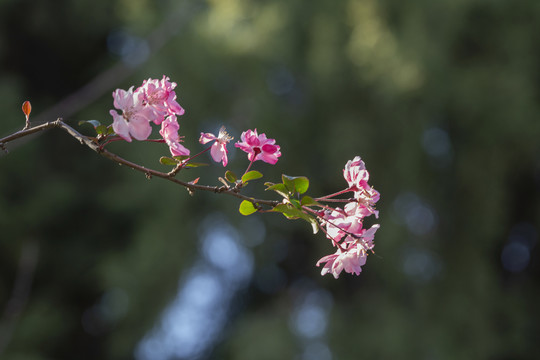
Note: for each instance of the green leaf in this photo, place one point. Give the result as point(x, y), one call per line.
point(279, 188)
point(309, 201)
point(296, 204)
point(291, 212)
point(288, 183)
point(247, 208)
point(295, 184)
point(287, 210)
point(101, 129)
point(181, 157)
point(168, 161)
point(94, 123)
point(301, 184)
point(194, 165)
point(251, 175)
point(230, 176)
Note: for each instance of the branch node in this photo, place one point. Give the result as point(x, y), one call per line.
point(221, 189)
point(238, 186)
point(176, 170)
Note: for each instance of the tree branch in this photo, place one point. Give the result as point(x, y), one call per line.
point(92, 144)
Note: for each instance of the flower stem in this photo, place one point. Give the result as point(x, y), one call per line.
point(336, 200)
point(183, 163)
point(110, 140)
point(196, 155)
point(249, 166)
point(325, 198)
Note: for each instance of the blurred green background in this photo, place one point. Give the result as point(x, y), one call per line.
point(440, 98)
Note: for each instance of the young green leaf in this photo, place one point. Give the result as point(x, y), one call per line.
point(309, 201)
point(251, 175)
point(301, 184)
point(291, 212)
point(288, 183)
point(230, 176)
point(101, 129)
point(296, 203)
point(295, 184)
point(181, 157)
point(194, 165)
point(279, 188)
point(168, 161)
point(247, 208)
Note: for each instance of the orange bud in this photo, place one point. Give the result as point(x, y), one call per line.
point(26, 108)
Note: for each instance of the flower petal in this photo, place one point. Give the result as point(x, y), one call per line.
point(206, 138)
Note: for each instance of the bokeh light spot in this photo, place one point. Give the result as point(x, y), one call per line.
point(421, 265)
point(515, 257)
point(418, 216)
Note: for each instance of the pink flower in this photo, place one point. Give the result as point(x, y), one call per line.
point(135, 118)
point(259, 147)
point(219, 147)
point(367, 236)
point(356, 174)
point(344, 222)
point(367, 198)
point(351, 255)
point(160, 96)
point(338, 223)
point(169, 132)
point(350, 260)
point(344, 227)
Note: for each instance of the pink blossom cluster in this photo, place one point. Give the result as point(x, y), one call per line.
point(258, 147)
point(344, 227)
point(153, 102)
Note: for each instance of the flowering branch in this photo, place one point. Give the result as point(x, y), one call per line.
point(155, 102)
point(89, 142)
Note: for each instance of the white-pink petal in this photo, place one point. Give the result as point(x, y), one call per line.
point(206, 138)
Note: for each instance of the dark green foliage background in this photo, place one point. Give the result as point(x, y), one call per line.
point(353, 77)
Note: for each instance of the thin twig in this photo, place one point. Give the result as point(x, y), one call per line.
point(26, 132)
point(85, 140)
